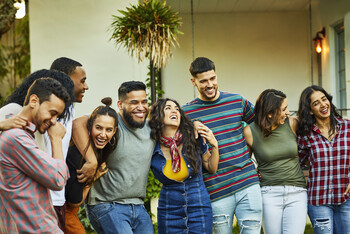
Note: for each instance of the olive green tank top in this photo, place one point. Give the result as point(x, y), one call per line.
point(277, 156)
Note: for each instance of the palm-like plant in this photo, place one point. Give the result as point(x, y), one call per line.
point(147, 30)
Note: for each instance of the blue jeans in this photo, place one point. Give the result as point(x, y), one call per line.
point(284, 209)
point(119, 218)
point(330, 218)
point(246, 205)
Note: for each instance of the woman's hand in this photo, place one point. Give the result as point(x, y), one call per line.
point(207, 134)
point(347, 191)
point(101, 171)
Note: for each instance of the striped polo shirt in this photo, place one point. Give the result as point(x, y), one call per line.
point(224, 117)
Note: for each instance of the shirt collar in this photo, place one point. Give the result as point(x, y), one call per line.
point(31, 128)
point(316, 129)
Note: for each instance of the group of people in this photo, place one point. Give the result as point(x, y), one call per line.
point(200, 152)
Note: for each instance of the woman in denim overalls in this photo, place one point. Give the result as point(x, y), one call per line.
point(184, 204)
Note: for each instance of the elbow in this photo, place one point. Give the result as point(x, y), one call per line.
point(212, 170)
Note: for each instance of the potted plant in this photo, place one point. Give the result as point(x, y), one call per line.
point(147, 30)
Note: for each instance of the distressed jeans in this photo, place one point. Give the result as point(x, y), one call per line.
point(329, 219)
point(246, 205)
point(120, 218)
point(284, 209)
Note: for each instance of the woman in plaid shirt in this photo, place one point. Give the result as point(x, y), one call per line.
point(324, 140)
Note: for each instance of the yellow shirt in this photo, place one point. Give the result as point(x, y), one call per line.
point(178, 176)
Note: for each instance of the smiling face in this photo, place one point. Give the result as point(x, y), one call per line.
point(283, 113)
point(134, 108)
point(102, 130)
point(320, 105)
point(172, 116)
point(207, 85)
point(78, 77)
point(47, 112)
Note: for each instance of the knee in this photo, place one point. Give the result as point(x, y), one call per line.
point(221, 219)
point(322, 223)
point(251, 224)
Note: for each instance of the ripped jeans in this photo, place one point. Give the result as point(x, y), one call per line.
point(246, 205)
point(329, 219)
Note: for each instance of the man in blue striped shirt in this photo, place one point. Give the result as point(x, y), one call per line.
point(234, 189)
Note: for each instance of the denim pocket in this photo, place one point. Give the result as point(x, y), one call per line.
point(265, 189)
point(97, 211)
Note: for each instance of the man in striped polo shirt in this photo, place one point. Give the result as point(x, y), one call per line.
point(234, 189)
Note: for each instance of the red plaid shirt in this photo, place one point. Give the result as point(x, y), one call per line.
point(329, 164)
point(26, 175)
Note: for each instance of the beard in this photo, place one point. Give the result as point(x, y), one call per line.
point(208, 97)
point(131, 122)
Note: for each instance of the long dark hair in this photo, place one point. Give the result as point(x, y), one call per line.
point(268, 103)
point(102, 154)
point(190, 144)
point(306, 120)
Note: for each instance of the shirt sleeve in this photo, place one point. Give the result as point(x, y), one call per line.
point(303, 151)
point(35, 163)
point(248, 111)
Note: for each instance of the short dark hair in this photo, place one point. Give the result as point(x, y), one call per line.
point(18, 96)
point(129, 86)
point(43, 88)
point(306, 120)
point(200, 65)
point(65, 65)
point(268, 103)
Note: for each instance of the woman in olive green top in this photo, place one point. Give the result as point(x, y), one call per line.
point(272, 138)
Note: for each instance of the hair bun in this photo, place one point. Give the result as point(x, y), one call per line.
point(107, 101)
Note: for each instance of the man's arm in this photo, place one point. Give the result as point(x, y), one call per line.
point(35, 163)
point(80, 137)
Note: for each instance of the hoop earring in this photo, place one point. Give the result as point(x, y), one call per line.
point(114, 141)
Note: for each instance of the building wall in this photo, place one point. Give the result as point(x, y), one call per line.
point(328, 14)
point(78, 30)
point(251, 51)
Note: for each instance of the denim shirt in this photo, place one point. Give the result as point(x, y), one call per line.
point(158, 162)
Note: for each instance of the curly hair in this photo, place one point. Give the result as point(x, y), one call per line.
point(18, 96)
point(306, 120)
point(268, 103)
point(190, 144)
point(102, 154)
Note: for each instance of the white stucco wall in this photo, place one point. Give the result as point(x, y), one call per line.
point(78, 30)
point(251, 51)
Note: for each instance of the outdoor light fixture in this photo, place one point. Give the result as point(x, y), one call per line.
point(318, 40)
point(21, 9)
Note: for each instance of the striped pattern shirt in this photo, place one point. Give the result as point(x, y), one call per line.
point(329, 164)
point(224, 117)
point(26, 175)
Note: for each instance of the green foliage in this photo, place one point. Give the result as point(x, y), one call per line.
point(7, 16)
point(158, 84)
point(308, 229)
point(85, 220)
point(153, 187)
point(15, 59)
point(147, 29)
